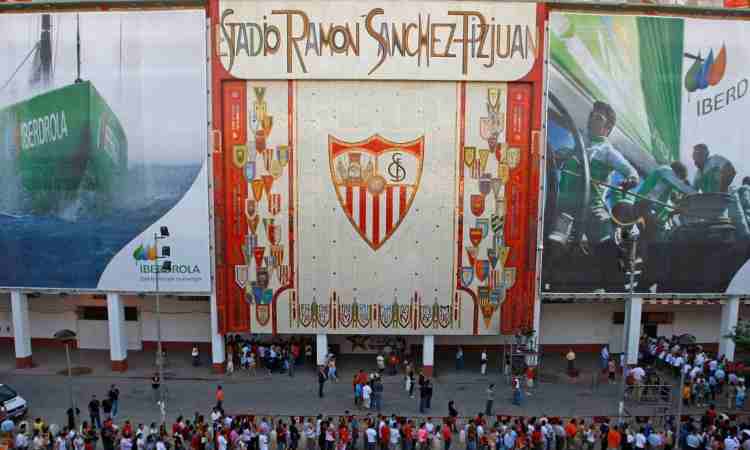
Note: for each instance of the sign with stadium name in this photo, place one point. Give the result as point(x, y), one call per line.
point(385, 40)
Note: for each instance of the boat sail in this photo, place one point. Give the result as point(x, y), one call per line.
point(65, 141)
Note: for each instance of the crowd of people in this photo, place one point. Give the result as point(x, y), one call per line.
point(219, 431)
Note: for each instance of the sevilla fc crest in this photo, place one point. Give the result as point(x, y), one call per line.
point(376, 181)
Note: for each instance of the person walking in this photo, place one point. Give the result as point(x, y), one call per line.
point(155, 384)
point(516, 382)
point(220, 399)
point(195, 354)
point(483, 362)
point(488, 410)
point(459, 359)
point(114, 398)
point(322, 377)
point(428, 383)
point(423, 397)
point(94, 414)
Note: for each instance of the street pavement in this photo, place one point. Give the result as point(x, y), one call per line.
point(191, 390)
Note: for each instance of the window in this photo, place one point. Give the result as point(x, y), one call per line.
point(100, 313)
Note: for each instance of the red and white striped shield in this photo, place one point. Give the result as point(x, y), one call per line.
point(376, 181)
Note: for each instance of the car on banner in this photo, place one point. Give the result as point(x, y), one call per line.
point(696, 251)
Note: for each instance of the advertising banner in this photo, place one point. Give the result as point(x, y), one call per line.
point(102, 143)
point(645, 136)
point(385, 40)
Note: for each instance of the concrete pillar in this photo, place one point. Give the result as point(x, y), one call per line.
point(428, 355)
point(729, 315)
point(118, 336)
point(19, 305)
point(632, 332)
point(217, 340)
point(321, 349)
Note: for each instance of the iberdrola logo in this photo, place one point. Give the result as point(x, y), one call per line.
point(707, 71)
point(145, 253)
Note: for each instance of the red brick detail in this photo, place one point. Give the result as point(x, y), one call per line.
point(24, 363)
point(218, 369)
point(427, 371)
point(120, 366)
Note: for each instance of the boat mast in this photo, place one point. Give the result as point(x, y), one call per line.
point(78, 48)
point(45, 50)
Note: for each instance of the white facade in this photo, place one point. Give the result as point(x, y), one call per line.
point(181, 320)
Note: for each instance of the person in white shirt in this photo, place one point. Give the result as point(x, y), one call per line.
point(483, 362)
point(22, 440)
point(263, 442)
point(222, 442)
point(640, 439)
point(372, 437)
point(366, 391)
point(160, 445)
point(394, 435)
point(731, 443)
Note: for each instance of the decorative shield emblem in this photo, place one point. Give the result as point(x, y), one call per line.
point(267, 183)
point(470, 155)
point(250, 209)
point(500, 207)
point(270, 262)
point(485, 184)
point(262, 277)
point(267, 223)
point(509, 276)
point(504, 252)
point(482, 269)
point(467, 275)
point(267, 296)
point(283, 274)
point(496, 223)
point(487, 128)
point(492, 256)
point(250, 171)
point(253, 224)
point(275, 168)
point(497, 188)
point(257, 292)
point(477, 204)
point(484, 155)
point(282, 155)
point(503, 173)
point(497, 296)
point(484, 225)
point(262, 314)
point(471, 252)
point(241, 275)
point(260, 141)
point(483, 294)
point(258, 253)
point(475, 236)
point(273, 232)
point(513, 157)
point(239, 155)
point(257, 186)
point(274, 203)
point(376, 181)
point(278, 253)
point(498, 240)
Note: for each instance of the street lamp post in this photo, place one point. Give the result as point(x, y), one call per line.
point(630, 243)
point(67, 337)
point(167, 267)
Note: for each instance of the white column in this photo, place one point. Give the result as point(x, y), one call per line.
point(729, 315)
point(19, 305)
point(321, 349)
point(118, 336)
point(217, 340)
point(633, 309)
point(428, 355)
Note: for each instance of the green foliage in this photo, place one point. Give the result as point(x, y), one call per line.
point(741, 335)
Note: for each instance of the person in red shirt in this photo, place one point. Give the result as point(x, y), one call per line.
point(409, 434)
point(447, 436)
point(570, 432)
point(385, 437)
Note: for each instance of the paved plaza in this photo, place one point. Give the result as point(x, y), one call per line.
point(192, 389)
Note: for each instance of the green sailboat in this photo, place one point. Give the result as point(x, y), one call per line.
point(63, 142)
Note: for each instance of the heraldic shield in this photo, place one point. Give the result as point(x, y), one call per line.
point(376, 181)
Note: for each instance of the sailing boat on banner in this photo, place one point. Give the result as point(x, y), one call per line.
point(65, 140)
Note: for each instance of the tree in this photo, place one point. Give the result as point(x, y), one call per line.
point(741, 335)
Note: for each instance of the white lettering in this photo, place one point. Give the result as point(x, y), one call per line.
point(43, 130)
